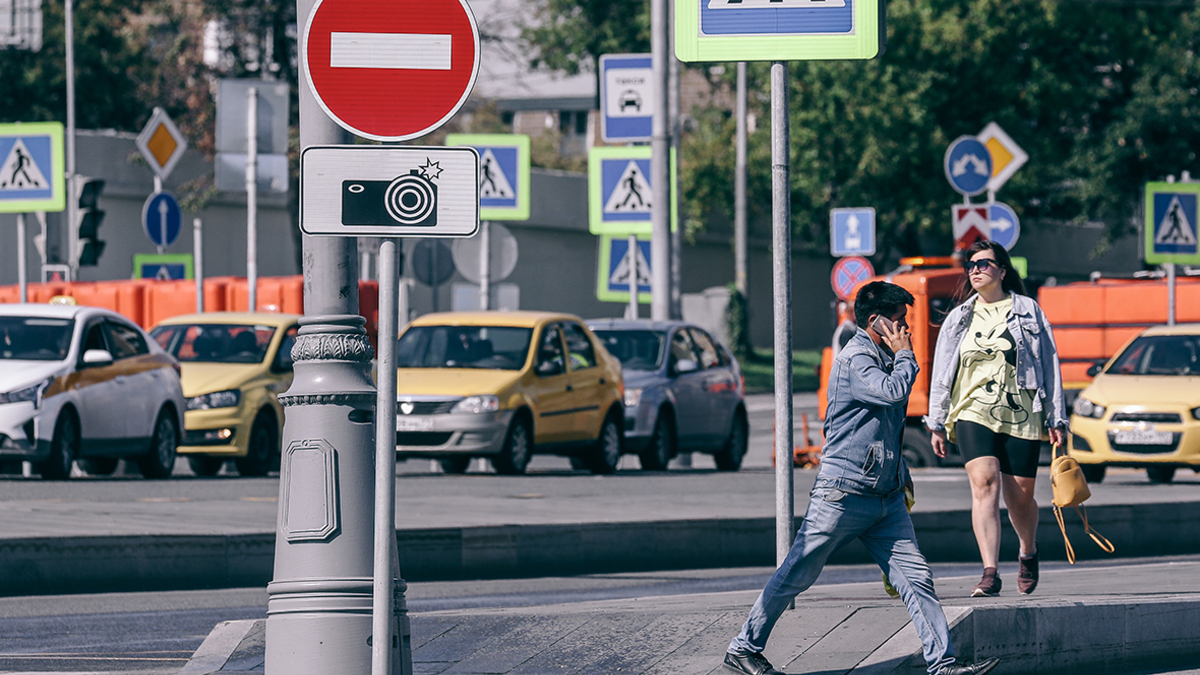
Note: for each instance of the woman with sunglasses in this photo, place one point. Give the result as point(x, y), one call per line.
point(996, 390)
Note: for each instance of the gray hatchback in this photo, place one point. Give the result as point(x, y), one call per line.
point(684, 392)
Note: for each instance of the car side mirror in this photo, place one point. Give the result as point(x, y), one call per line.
point(1095, 368)
point(547, 368)
point(97, 357)
point(683, 366)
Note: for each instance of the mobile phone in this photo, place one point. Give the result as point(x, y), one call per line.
point(878, 324)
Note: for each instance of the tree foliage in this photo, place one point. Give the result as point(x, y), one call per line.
point(569, 36)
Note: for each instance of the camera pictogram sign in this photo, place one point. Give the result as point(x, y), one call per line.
point(389, 191)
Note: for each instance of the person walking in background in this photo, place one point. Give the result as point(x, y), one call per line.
point(996, 387)
point(859, 491)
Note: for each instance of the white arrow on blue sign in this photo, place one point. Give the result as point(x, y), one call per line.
point(968, 165)
point(852, 231)
point(1006, 227)
point(162, 218)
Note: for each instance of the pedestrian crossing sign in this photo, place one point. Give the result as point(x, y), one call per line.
point(503, 173)
point(162, 266)
point(620, 192)
point(32, 167)
point(1172, 232)
point(617, 269)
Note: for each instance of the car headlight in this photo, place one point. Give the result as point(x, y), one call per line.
point(32, 393)
point(218, 399)
point(633, 397)
point(477, 404)
point(1085, 408)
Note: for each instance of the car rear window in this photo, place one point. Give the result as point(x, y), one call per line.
point(215, 343)
point(636, 349)
point(27, 338)
point(486, 347)
point(1159, 355)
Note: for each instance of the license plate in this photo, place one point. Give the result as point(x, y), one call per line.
point(413, 424)
point(1139, 437)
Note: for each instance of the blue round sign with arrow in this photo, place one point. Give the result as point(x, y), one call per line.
point(162, 218)
point(1006, 228)
point(968, 165)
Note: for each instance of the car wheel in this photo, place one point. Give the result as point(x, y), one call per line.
point(99, 466)
point(518, 445)
point(1160, 474)
point(455, 464)
point(1093, 473)
point(661, 449)
point(917, 448)
point(257, 461)
point(730, 456)
point(159, 462)
point(205, 465)
point(606, 453)
point(63, 447)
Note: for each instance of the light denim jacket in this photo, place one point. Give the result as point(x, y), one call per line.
point(1037, 360)
point(864, 421)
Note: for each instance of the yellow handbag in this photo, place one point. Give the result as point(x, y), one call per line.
point(1071, 489)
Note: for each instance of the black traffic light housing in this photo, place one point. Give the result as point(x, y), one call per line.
point(90, 217)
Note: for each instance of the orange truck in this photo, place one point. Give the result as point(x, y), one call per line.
point(1092, 321)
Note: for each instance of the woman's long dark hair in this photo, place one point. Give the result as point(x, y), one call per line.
point(1011, 283)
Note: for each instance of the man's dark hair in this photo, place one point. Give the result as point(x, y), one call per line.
point(879, 297)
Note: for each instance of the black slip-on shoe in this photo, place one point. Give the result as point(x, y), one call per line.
point(749, 664)
point(968, 668)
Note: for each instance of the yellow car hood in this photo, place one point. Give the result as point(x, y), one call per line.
point(452, 381)
point(1144, 390)
point(205, 378)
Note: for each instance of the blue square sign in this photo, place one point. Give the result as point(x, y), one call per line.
point(852, 231)
point(627, 97)
point(503, 173)
point(1172, 232)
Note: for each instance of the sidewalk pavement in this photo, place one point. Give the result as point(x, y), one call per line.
point(1104, 619)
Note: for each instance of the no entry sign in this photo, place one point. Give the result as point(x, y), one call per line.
point(391, 70)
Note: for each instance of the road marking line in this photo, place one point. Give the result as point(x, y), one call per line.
point(397, 51)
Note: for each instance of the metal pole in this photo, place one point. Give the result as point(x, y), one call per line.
point(781, 253)
point(1170, 294)
point(72, 205)
point(198, 261)
point(660, 180)
point(673, 126)
point(485, 265)
point(739, 188)
point(162, 218)
point(385, 460)
point(633, 277)
point(252, 197)
point(22, 273)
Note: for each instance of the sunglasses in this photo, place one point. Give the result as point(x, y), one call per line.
point(971, 265)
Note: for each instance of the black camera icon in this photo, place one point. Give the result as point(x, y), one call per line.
point(409, 200)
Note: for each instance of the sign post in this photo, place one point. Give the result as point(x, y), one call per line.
point(1172, 230)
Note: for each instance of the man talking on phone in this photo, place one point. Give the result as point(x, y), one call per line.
point(859, 491)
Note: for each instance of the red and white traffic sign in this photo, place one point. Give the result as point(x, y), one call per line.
point(391, 70)
point(848, 273)
point(971, 223)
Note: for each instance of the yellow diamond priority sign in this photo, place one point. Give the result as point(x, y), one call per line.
point(161, 143)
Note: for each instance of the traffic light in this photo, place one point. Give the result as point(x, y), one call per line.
point(90, 217)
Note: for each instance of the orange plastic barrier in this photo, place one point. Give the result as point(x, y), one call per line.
point(1075, 372)
point(1115, 337)
point(368, 307)
point(10, 294)
point(1073, 303)
point(1080, 343)
point(275, 294)
point(165, 299)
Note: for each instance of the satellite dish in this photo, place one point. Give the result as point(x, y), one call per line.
point(468, 254)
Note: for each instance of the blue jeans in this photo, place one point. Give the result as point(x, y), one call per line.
point(834, 518)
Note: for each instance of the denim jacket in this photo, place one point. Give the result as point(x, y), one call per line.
point(864, 421)
point(1037, 360)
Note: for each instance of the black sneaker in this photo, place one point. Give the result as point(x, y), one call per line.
point(968, 668)
point(989, 585)
point(1027, 576)
point(750, 664)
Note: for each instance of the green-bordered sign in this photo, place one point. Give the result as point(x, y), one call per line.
point(162, 266)
point(619, 190)
point(31, 167)
point(778, 30)
point(618, 270)
point(1171, 229)
point(503, 173)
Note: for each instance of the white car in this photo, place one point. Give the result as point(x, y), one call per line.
point(84, 383)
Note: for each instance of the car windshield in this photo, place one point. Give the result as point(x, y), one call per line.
point(1159, 355)
point(29, 338)
point(488, 347)
point(215, 343)
point(637, 349)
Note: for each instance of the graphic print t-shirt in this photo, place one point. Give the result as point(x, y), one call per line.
point(985, 391)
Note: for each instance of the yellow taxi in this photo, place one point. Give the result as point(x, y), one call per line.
point(506, 385)
point(234, 366)
point(1143, 408)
